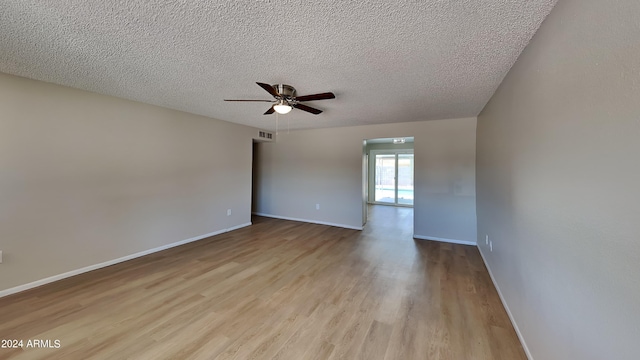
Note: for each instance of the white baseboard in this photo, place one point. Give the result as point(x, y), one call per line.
point(309, 221)
point(506, 307)
point(453, 241)
point(229, 229)
point(51, 279)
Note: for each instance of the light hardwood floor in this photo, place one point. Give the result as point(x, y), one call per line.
point(275, 290)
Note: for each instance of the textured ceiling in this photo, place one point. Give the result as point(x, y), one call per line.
point(386, 61)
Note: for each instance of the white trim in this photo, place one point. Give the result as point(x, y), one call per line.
point(506, 307)
point(453, 241)
point(309, 221)
point(85, 269)
point(229, 229)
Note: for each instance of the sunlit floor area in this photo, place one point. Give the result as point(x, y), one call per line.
point(386, 195)
point(275, 290)
point(390, 221)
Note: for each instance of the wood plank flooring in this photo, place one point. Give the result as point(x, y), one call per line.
point(275, 290)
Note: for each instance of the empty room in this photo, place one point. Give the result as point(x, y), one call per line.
point(283, 179)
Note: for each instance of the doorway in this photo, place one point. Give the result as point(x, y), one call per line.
point(393, 177)
point(389, 171)
point(388, 182)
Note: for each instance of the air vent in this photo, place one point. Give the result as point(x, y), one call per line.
point(266, 135)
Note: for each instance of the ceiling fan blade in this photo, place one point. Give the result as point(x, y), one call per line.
point(269, 112)
point(321, 96)
point(307, 109)
point(269, 89)
point(249, 100)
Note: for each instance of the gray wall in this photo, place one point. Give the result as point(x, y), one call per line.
point(86, 178)
point(324, 166)
point(557, 184)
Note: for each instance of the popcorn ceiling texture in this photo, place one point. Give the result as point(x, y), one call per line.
point(385, 61)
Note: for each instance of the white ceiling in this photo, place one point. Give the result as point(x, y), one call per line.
point(386, 61)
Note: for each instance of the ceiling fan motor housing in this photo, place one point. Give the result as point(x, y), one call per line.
point(287, 92)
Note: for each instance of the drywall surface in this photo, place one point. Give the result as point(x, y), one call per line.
point(324, 166)
point(557, 184)
point(87, 178)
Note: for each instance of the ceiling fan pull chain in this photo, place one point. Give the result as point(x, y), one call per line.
point(277, 117)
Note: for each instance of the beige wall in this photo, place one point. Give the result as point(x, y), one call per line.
point(86, 178)
point(324, 166)
point(558, 176)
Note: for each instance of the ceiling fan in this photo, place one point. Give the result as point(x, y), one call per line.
point(286, 99)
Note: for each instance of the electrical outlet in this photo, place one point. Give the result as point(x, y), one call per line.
point(317, 206)
point(490, 245)
point(486, 240)
point(0, 256)
point(228, 212)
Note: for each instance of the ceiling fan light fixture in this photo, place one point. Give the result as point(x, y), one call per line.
point(282, 107)
point(286, 99)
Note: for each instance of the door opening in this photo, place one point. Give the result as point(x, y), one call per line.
point(390, 171)
point(388, 179)
point(393, 177)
